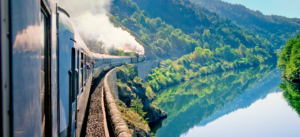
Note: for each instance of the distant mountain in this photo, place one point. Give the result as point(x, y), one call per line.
point(276, 29)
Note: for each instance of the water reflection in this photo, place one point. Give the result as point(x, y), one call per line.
point(291, 93)
point(197, 103)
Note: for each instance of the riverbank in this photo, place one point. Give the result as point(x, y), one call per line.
point(172, 72)
point(135, 98)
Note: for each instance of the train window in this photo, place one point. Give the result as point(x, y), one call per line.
point(45, 71)
point(81, 71)
point(72, 80)
point(85, 68)
point(81, 60)
point(88, 71)
point(77, 73)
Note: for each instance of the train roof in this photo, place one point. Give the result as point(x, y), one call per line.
point(98, 55)
point(66, 24)
point(81, 45)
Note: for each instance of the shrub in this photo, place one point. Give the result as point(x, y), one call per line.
point(129, 83)
point(137, 107)
point(154, 85)
point(162, 80)
point(168, 62)
point(149, 92)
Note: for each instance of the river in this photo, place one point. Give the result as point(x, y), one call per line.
point(239, 103)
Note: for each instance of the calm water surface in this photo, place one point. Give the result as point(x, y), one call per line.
point(240, 103)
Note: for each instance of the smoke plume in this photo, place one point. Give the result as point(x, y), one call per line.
point(89, 18)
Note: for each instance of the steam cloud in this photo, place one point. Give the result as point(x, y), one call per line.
point(89, 18)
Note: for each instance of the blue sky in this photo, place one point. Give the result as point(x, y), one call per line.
point(288, 8)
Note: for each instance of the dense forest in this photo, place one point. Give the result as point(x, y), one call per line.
point(203, 62)
point(289, 62)
point(277, 29)
point(172, 28)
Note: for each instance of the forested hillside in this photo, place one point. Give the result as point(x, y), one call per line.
point(290, 64)
point(173, 28)
point(191, 18)
point(277, 29)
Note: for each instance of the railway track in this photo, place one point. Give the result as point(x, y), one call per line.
point(95, 119)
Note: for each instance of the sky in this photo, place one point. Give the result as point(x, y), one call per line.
point(288, 8)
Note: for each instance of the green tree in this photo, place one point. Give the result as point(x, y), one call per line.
point(206, 45)
point(137, 107)
point(142, 19)
point(136, 15)
point(242, 49)
point(158, 22)
point(207, 53)
point(145, 38)
point(161, 34)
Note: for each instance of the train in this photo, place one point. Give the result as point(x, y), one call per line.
point(46, 70)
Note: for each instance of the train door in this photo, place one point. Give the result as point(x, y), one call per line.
point(72, 93)
point(77, 79)
point(45, 50)
point(83, 72)
point(43, 70)
point(77, 73)
point(65, 73)
point(4, 70)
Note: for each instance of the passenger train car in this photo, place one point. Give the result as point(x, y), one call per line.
point(46, 70)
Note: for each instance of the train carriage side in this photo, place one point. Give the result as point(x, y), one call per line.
point(28, 66)
point(133, 59)
point(74, 76)
point(106, 62)
point(116, 61)
point(99, 65)
point(83, 80)
point(66, 63)
point(126, 59)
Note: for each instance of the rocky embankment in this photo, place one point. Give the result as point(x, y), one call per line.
point(131, 88)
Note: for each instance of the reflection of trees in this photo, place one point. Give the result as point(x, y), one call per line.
point(291, 93)
point(190, 103)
